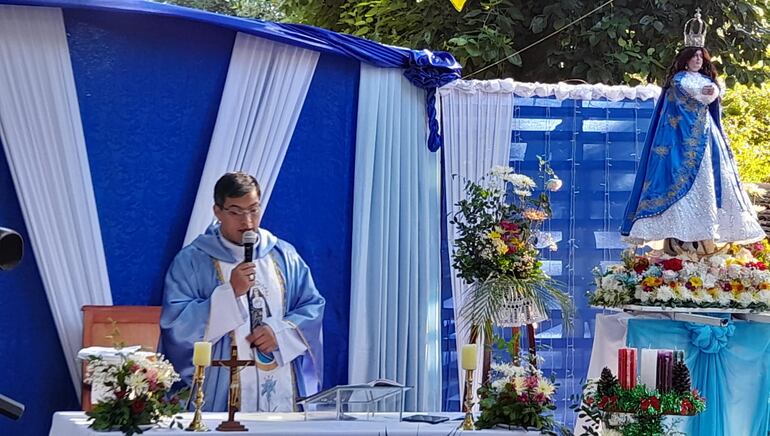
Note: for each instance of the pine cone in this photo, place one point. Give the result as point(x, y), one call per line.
point(607, 383)
point(681, 378)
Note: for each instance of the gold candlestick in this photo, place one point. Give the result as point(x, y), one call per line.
point(468, 423)
point(197, 423)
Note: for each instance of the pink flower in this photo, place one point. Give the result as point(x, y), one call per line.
point(541, 398)
point(531, 382)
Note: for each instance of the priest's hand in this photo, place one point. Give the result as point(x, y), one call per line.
point(263, 338)
point(242, 278)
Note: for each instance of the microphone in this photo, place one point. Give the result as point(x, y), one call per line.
point(249, 239)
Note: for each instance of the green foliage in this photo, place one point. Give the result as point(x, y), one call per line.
point(263, 9)
point(747, 125)
point(628, 42)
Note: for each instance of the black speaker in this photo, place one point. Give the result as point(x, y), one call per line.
point(10, 408)
point(11, 249)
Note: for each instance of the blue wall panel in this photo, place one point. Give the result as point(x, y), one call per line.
point(312, 202)
point(149, 89)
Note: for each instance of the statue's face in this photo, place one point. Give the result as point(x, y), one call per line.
point(696, 62)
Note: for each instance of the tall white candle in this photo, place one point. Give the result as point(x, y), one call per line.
point(649, 368)
point(202, 354)
point(468, 358)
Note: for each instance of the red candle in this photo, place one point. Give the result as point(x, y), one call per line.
point(627, 368)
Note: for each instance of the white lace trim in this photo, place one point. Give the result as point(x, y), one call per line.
point(561, 91)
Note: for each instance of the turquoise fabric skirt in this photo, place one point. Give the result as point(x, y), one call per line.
point(730, 367)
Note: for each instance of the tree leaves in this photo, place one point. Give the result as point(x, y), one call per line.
point(651, 34)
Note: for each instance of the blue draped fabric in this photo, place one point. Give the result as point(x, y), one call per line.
point(672, 153)
point(425, 69)
point(730, 367)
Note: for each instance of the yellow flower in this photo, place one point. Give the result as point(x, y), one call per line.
point(500, 246)
point(494, 235)
point(652, 281)
point(736, 286)
point(764, 286)
point(696, 281)
point(733, 261)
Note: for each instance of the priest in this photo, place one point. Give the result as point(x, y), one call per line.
point(269, 307)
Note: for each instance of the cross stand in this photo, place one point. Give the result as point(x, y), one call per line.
point(232, 406)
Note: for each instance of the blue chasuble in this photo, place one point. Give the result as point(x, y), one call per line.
point(673, 152)
point(189, 284)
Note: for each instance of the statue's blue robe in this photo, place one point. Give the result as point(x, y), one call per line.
point(190, 281)
point(672, 153)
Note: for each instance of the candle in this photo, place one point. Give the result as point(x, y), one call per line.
point(202, 354)
point(648, 371)
point(665, 370)
point(678, 356)
point(468, 358)
point(627, 367)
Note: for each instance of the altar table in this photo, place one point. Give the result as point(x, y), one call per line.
point(284, 424)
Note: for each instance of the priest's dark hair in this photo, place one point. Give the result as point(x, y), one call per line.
point(235, 185)
point(680, 63)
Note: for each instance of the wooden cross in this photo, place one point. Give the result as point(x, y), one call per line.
point(234, 399)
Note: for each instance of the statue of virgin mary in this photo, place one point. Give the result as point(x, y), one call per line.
point(687, 191)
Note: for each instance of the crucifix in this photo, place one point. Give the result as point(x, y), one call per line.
point(234, 399)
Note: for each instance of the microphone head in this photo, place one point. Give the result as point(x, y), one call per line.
point(249, 238)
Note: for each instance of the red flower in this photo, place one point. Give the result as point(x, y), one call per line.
point(590, 400)
point(686, 407)
point(650, 402)
point(120, 394)
point(509, 226)
point(673, 264)
point(641, 264)
point(608, 402)
point(137, 406)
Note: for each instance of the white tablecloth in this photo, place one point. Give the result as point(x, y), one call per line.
point(285, 424)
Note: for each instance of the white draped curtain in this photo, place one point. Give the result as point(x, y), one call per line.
point(476, 122)
point(265, 89)
point(395, 278)
point(42, 135)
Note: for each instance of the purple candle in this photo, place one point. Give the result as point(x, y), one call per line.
point(665, 370)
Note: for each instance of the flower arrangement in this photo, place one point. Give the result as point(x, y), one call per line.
point(136, 393)
point(637, 411)
point(738, 279)
point(517, 396)
point(497, 228)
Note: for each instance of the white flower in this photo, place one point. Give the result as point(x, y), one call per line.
point(719, 261)
point(724, 298)
point(764, 296)
point(545, 387)
point(500, 171)
point(520, 181)
point(746, 298)
point(138, 384)
point(664, 293)
point(553, 184)
point(709, 281)
point(519, 385)
point(669, 275)
point(499, 384)
point(522, 193)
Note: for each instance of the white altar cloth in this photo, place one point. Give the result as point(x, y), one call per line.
point(283, 424)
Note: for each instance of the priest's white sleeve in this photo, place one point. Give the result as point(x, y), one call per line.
point(226, 314)
point(290, 343)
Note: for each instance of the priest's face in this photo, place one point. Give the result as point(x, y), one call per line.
point(238, 215)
